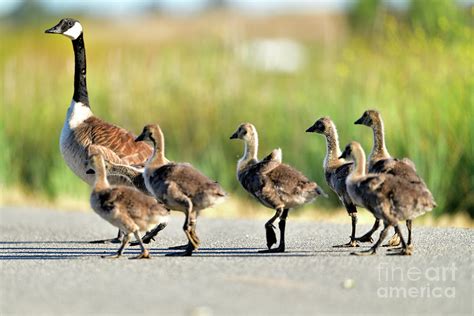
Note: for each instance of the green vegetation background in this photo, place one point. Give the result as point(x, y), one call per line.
point(416, 69)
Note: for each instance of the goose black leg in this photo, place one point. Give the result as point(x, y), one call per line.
point(149, 236)
point(368, 236)
point(281, 226)
point(353, 242)
point(373, 249)
point(125, 241)
point(115, 240)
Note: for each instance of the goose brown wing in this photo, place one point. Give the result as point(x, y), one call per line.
point(116, 139)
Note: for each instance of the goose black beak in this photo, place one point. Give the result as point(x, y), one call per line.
point(234, 136)
point(359, 121)
point(90, 171)
point(140, 138)
point(311, 129)
point(54, 30)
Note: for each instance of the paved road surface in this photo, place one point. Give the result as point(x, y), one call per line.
point(48, 268)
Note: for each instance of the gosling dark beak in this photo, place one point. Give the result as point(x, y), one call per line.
point(359, 121)
point(311, 129)
point(234, 136)
point(54, 30)
point(90, 171)
point(140, 138)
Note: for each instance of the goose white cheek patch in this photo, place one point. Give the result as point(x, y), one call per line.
point(74, 32)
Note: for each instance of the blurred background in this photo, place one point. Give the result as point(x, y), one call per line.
point(201, 67)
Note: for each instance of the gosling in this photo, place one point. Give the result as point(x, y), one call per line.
point(336, 171)
point(389, 198)
point(274, 184)
point(179, 186)
point(128, 209)
point(380, 161)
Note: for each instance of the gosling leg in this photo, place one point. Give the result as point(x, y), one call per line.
point(353, 242)
point(125, 240)
point(406, 249)
point(281, 226)
point(270, 229)
point(149, 236)
point(373, 250)
point(368, 236)
point(189, 222)
point(145, 254)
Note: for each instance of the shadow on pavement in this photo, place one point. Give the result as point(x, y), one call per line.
point(13, 251)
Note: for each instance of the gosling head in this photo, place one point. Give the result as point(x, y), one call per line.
point(68, 27)
point(150, 133)
point(351, 149)
point(322, 126)
point(368, 118)
point(93, 162)
point(245, 131)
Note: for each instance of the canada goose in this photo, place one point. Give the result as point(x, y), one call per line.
point(336, 171)
point(82, 129)
point(390, 198)
point(272, 183)
point(179, 186)
point(380, 161)
point(128, 209)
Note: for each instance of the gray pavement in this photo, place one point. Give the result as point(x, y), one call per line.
point(48, 268)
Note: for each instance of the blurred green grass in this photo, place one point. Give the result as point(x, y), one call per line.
point(199, 91)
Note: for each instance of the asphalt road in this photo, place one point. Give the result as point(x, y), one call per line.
point(48, 268)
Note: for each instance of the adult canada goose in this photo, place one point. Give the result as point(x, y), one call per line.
point(128, 209)
point(82, 129)
point(380, 161)
point(272, 183)
point(390, 198)
point(336, 171)
point(179, 186)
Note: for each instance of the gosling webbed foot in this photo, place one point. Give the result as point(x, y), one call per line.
point(271, 235)
point(143, 255)
point(369, 252)
point(393, 242)
point(106, 241)
point(278, 249)
point(352, 243)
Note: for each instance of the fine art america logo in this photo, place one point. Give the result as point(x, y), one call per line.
point(415, 282)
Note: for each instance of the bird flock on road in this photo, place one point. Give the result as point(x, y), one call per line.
point(134, 185)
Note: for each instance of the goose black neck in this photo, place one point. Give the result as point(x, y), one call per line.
point(80, 85)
